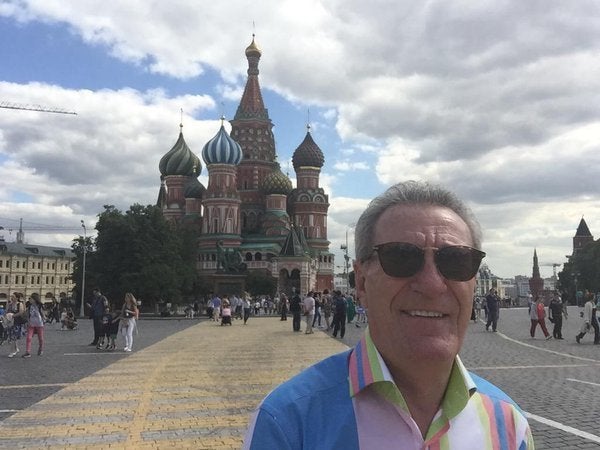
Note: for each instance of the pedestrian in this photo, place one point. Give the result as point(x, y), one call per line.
point(216, 308)
point(537, 315)
point(247, 307)
point(317, 315)
point(35, 324)
point(326, 306)
point(16, 324)
point(99, 302)
point(403, 385)
point(196, 308)
point(492, 302)
point(589, 320)
point(284, 306)
point(129, 315)
point(340, 307)
point(556, 311)
point(296, 310)
point(104, 340)
point(350, 308)
point(308, 306)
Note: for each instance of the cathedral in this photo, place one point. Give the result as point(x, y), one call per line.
point(250, 217)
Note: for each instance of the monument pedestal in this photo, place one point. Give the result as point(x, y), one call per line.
point(228, 284)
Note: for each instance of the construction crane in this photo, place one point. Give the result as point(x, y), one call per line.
point(554, 266)
point(39, 108)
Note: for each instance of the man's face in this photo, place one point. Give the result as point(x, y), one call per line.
point(423, 317)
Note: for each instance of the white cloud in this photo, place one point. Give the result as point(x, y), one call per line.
point(497, 100)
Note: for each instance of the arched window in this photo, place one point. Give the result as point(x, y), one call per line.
point(248, 256)
point(258, 256)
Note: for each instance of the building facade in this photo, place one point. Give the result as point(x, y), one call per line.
point(29, 268)
point(250, 217)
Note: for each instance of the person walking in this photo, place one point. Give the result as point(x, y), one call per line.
point(296, 310)
point(129, 315)
point(589, 321)
point(35, 324)
point(339, 314)
point(99, 303)
point(492, 302)
point(556, 311)
point(326, 305)
point(317, 314)
point(284, 306)
point(309, 312)
point(16, 311)
point(247, 307)
point(537, 314)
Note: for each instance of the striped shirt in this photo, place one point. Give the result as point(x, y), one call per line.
point(467, 419)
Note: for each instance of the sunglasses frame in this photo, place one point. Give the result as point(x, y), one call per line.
point(438, 253)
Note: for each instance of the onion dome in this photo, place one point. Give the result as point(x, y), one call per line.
point(253, 50)
point(276, 183)
point(194, 189)
point(180, 160)
point(222, 149)
point(308, 154)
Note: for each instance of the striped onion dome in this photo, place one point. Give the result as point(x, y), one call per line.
point(222, 149)
point(276, 183)
point(180, 160)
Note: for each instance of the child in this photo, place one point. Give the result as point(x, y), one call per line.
point(114, 330)
point(103, 342)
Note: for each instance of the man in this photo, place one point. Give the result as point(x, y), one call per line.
point(403, 386)
point(99, 303)
point(492, 302)
point(296, 310)
point(556, 311)
point(308, 306)
point(339, 314)
point(589, 320)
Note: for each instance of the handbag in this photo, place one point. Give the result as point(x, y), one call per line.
point(19, 320)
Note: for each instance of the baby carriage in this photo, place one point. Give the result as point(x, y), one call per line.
point(69, 321)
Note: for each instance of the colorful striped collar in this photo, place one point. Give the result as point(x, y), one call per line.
point(367, 367)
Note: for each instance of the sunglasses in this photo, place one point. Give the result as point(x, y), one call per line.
point(403, 260)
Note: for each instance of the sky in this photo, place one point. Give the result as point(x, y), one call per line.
point(497, 100)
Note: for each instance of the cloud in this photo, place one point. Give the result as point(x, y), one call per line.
point(496, 100)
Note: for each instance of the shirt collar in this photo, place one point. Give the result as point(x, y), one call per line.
point(367, 368)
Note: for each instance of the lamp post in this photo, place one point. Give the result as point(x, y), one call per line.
point(81, 311)
point(346, 262)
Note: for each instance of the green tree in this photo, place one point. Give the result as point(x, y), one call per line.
point(77, 274)
point(140, 252)
point(582, 272)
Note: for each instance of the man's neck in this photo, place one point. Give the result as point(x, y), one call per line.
point(423, 386)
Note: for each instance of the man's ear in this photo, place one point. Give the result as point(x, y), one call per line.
point(359, 279)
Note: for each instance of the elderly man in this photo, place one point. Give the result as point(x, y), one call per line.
point(403, 386)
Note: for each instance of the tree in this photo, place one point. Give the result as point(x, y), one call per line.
point(582, 272)
point(140, 252)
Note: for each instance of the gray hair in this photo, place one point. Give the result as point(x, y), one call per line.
point(410, 193)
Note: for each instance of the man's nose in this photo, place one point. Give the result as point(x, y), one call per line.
point(429, 281)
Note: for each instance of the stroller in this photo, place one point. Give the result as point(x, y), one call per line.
point(69, 321)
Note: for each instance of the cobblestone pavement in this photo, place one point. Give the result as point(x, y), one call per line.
point(193, 384)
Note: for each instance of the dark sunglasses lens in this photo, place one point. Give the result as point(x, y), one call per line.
point(400, 260)
point(458, 263)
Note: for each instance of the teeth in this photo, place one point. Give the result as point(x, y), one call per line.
point(425, 314)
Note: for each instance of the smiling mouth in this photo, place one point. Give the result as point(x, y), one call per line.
point(427, 314)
